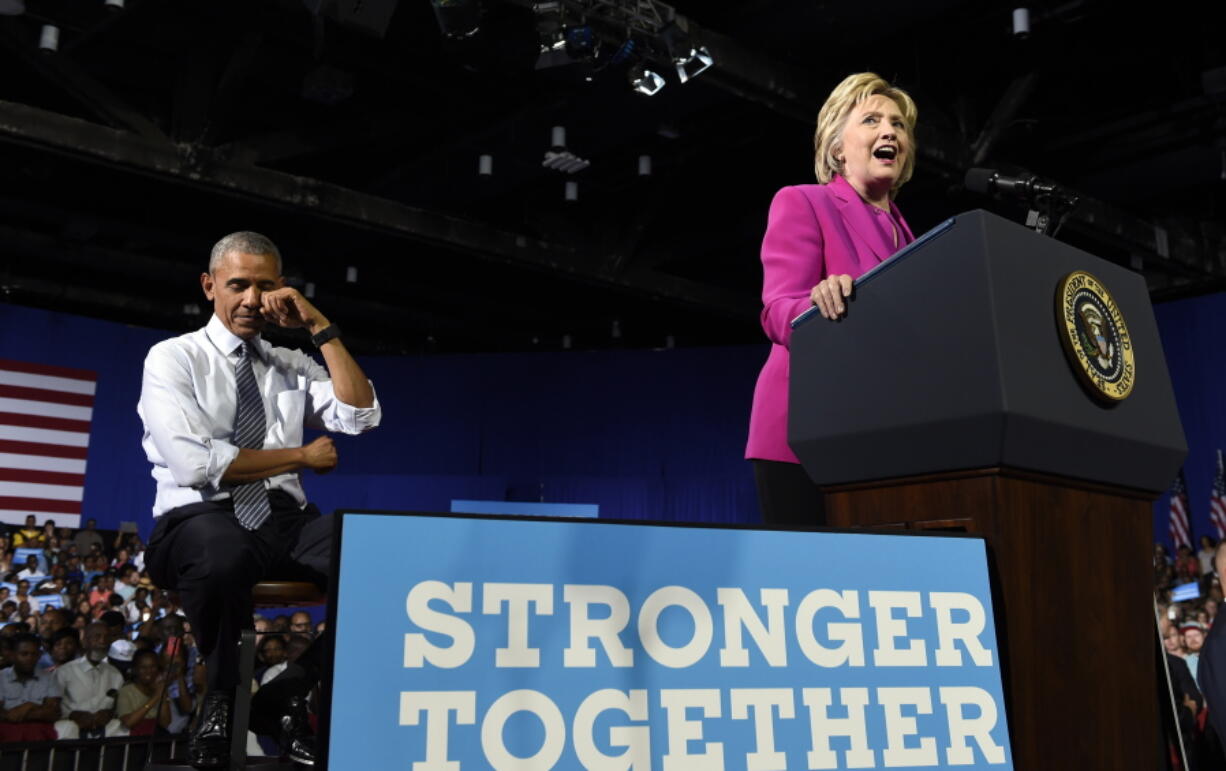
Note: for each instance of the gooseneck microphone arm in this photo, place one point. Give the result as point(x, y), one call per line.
point(1049, 203)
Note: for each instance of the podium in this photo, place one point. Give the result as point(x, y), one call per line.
point(945, 400)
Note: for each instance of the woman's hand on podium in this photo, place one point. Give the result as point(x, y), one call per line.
point(829, 295)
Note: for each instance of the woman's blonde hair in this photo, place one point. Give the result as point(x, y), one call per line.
point(827, 139)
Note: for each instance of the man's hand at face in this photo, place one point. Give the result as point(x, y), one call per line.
point(286, 307)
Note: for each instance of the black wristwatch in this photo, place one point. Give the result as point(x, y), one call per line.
point(330, 332)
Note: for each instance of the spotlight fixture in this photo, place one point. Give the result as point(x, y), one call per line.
point(690, 59)
point(1021, 22)
point(696, 62)
point(49, 38)
point(645, 81)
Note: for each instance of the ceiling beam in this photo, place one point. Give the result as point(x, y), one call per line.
point(67, 75)
point(202, 168)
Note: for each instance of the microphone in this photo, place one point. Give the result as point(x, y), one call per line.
point(1028, 188)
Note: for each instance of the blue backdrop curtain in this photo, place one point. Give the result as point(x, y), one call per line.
point(1192, 332)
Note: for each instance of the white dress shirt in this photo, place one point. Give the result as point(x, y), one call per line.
point(188, 400)
point(88, 687)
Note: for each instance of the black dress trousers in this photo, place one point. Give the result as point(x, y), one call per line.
point(202, 551)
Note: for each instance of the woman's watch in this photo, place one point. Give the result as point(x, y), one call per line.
point(330, 332)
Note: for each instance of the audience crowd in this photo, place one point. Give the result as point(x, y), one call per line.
point(90, 648)
point(1188, 595)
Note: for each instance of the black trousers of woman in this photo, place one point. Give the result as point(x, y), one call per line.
point(787, 496)
point(203, 552)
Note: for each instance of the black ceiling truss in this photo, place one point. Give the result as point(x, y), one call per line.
point(232, 123)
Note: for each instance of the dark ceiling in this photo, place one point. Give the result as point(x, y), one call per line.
point(157, 128)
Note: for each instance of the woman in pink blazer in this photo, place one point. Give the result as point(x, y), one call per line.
point(818, 239)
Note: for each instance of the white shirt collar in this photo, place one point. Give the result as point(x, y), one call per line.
point(227, 342)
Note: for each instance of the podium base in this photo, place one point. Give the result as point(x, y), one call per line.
point(1072, 586)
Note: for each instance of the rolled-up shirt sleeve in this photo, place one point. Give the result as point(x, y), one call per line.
point(325, 411)
point(177, 426)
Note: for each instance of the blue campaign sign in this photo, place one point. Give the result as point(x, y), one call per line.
point(477, 643)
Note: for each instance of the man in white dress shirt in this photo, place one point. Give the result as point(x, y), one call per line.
point(224, 413)
point(89, 685)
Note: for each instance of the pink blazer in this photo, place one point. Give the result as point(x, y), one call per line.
point(813, 231)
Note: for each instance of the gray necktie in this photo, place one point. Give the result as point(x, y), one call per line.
point(250, 500)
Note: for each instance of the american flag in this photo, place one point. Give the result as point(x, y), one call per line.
point(45, 415)
point(1181, 531)
point(1217, 501)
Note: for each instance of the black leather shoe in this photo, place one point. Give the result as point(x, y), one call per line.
point(209, 744)
point(294, 732)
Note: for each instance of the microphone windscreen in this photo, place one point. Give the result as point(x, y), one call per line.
point(979, 180)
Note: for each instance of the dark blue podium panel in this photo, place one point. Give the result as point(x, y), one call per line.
point(478, 643)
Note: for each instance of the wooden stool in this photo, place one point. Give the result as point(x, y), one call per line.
point(266, 594)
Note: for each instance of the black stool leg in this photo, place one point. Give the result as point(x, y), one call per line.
point(242, 701)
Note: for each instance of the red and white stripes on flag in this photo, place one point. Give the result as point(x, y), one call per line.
point(45, 415)
point(1217, 501)
point(1181, 531)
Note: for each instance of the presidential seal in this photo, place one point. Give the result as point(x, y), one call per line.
point(1095, 337)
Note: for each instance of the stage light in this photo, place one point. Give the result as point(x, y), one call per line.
point(457, 19)
point(49, 38)
point(645, 81)
point(644, 165)
point(572, 191)
point(485, 165)
point(694, 64)
point(351, 275)
point(1021, 22)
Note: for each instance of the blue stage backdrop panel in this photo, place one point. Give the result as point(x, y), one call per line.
point(559, 643)
point(1192, 332)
